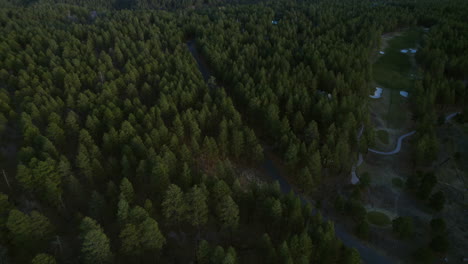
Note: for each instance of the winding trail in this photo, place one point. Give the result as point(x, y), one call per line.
point(398, 146)
point(452, 115)
point(354, 177)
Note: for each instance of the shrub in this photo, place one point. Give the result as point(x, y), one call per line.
point(378, 218)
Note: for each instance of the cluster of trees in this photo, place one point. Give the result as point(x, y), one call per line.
point(126, 4)
point(439, 242)
point(444, 62)
point(422, 184)
point(125, 154)
point(302, 82)
point(403, 227)
point(353, 207)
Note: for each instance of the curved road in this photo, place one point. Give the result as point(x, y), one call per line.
point(398, 146)
point(368, 254)
point(400, 139)
point(452, 115)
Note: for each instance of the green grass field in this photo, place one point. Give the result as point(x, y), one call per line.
point(395, 116)
point(378, 218)
point(382, 135)
point(393, 70)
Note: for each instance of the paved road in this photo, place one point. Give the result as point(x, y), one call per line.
point(398, 146)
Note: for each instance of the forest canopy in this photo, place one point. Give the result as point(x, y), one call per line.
point(115, 149)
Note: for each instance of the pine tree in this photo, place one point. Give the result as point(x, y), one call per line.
point(150, 235)
point(285, 254)
point(43, 259)
point(160, 178)
point(126, 189)
point(203, 252)
point(229, 216)
point(185, 177)
point(174, 205)
point(19, 226)
point(437, 201)
point(197, 207)
point(29, 231)
point(122, 210)
point(96, 247)
point(268, 251)
point(130, 240)
point(218, 255)
point(96, 206)
point(237, 143)
point(351, 256)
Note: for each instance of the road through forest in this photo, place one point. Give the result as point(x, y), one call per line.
point(368, 255)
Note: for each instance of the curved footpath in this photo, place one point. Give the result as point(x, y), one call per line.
point(400, 139)
point(354, 177)
point(398, 146)
point(452, 115)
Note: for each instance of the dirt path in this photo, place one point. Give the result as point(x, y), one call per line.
point(354, 177)
point(452, 115)
point(398, 146)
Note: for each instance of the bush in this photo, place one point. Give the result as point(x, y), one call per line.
point(438, 226)
point(437, 201)
point(382, 135)
point(423, 255)
point(339, 203)
point(403, 227)
point(439, 243)
point(356, 210)
point(362, 229)
point(397, 182)
point(364, 180)
point(427, 184)
point(378, 218)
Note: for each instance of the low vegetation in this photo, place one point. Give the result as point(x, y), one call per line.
point(378, 218)
point(382, 135)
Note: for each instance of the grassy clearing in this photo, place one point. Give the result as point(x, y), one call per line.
point(395, 116)
point(382, 135)
point(393, 70)
point(378, 218)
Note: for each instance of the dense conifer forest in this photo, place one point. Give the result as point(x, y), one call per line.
point(115, 149)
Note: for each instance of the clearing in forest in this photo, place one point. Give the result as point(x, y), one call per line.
point(396, 70)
